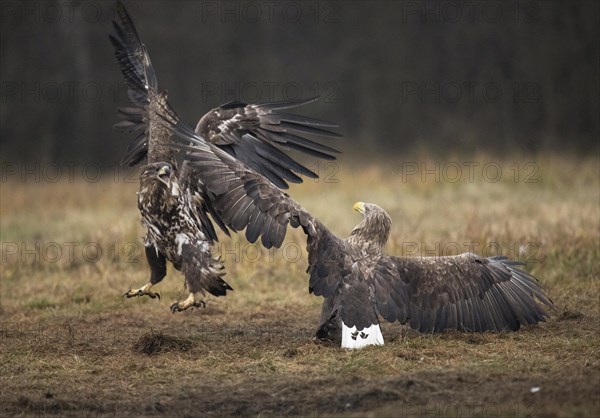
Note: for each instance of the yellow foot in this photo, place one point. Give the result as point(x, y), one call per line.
point(190, 302)
point(142, 291)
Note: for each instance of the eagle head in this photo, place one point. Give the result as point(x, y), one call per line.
point(163, 172)
point(375, 226)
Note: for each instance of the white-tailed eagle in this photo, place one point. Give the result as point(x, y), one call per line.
point(359, 282)
point(173, 199)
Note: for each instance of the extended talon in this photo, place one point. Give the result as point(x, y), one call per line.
point(190, 302)
point(142, 291)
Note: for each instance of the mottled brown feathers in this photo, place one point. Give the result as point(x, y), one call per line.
point(227, 177)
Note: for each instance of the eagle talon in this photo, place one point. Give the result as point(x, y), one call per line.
point(190, 302)
point(142, 291)
point(152, 295)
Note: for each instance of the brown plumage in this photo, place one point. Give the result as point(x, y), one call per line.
point(254, 134)
point(175, 233)
point(230, 175)
point(358, 281)
point(174, 203)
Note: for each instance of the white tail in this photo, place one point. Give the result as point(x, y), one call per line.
point(351, 338)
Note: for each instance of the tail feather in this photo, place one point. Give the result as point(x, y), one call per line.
point(202, 272)
point(218, 287)
point(215, 284)
point(353, 338)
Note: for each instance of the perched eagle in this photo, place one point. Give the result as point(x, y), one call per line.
point(173, 199)
point(358, 281)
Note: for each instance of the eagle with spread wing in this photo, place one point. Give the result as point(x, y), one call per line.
point(359, 282)
point(174, 202)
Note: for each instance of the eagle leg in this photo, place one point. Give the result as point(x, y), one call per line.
point(190, 302)
point(330, 325)
point(158, 270)
point(142, 291)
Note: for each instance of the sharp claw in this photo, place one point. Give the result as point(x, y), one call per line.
point(176, 307)
point(131, 294)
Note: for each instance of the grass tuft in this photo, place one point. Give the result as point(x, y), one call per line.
point(156, 342)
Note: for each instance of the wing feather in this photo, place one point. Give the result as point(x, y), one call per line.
point(242, 196)
point(254, 134)
point(465, 292)
point(142, 88)
point(261, 206)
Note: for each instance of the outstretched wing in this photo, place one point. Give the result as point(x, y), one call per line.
point(152, 138)
point(254, 134)
point(147, 119)
point(245, 199)
point(464, 292)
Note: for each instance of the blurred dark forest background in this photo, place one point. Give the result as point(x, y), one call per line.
point(399, 77)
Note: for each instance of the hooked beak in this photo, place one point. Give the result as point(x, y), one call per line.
point(359, 207)
point(164, 175)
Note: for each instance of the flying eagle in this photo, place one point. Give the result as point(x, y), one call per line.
point(173, 200)
point(359, 282)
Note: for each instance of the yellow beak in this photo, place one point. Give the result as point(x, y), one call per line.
point(163, 170)
point(359, 207)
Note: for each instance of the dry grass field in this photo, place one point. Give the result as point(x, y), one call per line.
point(71, 345)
